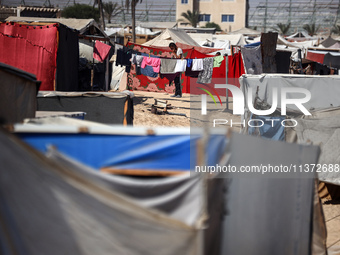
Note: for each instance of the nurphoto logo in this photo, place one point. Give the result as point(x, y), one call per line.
point(239, 103)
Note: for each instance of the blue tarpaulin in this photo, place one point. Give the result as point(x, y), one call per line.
point(172, 152)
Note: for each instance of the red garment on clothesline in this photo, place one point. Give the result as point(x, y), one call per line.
point(32, 49)
point(101, 51)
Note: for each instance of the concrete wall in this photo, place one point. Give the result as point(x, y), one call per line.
point(216, 8)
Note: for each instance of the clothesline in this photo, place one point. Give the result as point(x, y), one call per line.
point(152, 66)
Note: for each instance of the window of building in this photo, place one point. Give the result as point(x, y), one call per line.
point(184, 1)
point(227, 17)
point(205, 17)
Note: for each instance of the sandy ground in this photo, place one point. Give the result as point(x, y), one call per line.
point(188, 105)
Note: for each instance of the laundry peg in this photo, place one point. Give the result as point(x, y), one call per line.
point(149, 54)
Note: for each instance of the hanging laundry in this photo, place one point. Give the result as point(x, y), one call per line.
point(168, 65)
point(197, 64)
point(181, 65)
point(190, 73)
point(169, 76)
point(101, 51)
point(148, 71)
point(154, 62)
point(218, 61)
point(137, 61)
point(252, 59)
point(123, 58)
point(189, 62)
point(206, 75)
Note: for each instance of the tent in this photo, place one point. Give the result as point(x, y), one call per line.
point(72, 74)
point(218, 40)
point(328, 42)
point(68, 189)
point(124, 151)
point(245, 31)
point(171, 35)
point(320, 128)
point(18, 94)
point(103, 107)
point(63, 209)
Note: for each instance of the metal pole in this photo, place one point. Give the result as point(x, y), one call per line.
point(107, 74)
point(226, 79)
point(92, 71)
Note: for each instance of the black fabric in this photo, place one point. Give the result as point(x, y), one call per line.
point(67, 60)
point(84, 74)
point(282, 59)
point(100, 108)
point(331, 61)
point(190, 73)
point(123, 58)
point(321, 69)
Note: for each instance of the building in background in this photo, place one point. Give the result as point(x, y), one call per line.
point(230, 15)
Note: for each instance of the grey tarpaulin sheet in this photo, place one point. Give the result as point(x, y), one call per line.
point(104, 107)
point(18, 94)
point(48, 209)
point(269, 215)
point(324, 130)
point(179, 197)
point(325, 90)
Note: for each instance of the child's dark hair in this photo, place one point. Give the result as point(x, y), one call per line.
point(172, 45)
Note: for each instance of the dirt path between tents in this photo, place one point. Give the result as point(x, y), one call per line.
point(185, 105)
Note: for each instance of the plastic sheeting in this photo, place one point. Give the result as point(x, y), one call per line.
point(270, 215)
point(104, 107)
point(324, 89)
point(179, 197)
point(32, 49)
point(18, 94)
point(323, 130)
point(107, 148)
point(58, 210)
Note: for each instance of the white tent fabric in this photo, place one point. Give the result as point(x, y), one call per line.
point(218, 41)
point(117, 74)
point(48, 209)
point(171, 35)
point(245, 31)
point(302, 34)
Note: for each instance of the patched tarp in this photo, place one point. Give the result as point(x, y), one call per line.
point(46, 208)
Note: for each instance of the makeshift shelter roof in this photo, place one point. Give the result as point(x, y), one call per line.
point(81, 25)
point(158, 25)
point(218, 40)
point(329, 42)
point(302, 34)
point(245, 31)
point(171, 35)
